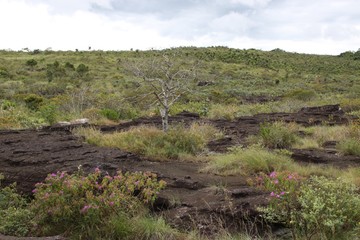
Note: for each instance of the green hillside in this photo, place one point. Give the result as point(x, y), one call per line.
point(42, 87)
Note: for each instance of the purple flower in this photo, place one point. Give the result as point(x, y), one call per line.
point(111, 203)
point(53, 175)
point(34, 190)
point(276, 181)
point(272, 174)
point(290, 176)
point(282, 193)
point(272, 194)
point(85, 208)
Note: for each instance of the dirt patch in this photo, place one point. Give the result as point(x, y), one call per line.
point(191, 199)
point(27, 156)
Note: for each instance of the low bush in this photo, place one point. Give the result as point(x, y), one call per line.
point(80, 204)
point(317, 208)
point(330, 209)
point(33, 101)
point(110, 114)
point(15, 218)
point(278, 135)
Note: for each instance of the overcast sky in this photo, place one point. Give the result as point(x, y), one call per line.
point(304, 26)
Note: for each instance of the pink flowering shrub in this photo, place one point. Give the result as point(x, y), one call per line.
point(65, 202)
point(283, 190)
point(314, 208)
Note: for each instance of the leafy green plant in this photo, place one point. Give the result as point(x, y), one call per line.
point(77, 203)
point(82, 69)
point(110, 114)
point(284, 189)
point(329, 208)
point(49, 113)
point(31, 63)
point(33, 101)
point(15, 218)
point(318, 208)
point(7, 105)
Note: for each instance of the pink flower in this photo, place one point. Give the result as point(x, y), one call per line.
point(53, 175)
point(111, 203)
point(276, 181)
point(85, 208)
point(62, 174)
point(97, 169)
point(46, 195)
point(290, 176)
point(34, 190)
point(282, 193)
point(272, 194)
point(272, 174)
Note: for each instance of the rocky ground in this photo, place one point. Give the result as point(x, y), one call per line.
point(191, 199)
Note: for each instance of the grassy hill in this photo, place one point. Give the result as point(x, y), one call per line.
point(49, 86)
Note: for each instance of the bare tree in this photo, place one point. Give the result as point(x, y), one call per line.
point(169, 76)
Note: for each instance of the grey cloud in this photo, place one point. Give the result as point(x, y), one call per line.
point(224, 20)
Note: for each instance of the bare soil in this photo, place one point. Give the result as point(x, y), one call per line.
point(191, 199)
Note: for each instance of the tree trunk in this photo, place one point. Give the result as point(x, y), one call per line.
point(165, 118)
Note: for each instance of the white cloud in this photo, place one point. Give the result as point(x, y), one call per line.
point(323, 26)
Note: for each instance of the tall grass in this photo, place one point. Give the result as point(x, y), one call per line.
point(248, 161)
point(178, 143)
point(255, 159)
point(276, 135)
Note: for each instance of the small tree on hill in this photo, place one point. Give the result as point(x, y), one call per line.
point(169, 76)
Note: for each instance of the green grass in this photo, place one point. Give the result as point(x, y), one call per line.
point(350, 146)
point(178, 143)
point(235, 76)
point(276, 135)
point(248, 161)
point(255, 159)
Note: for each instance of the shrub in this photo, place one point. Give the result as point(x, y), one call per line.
point(49, 113)
point(110, 114)
point(329, 208)
point(33, 101)
point(15, 218)
point(284, 189)
point(7, 105)
point(31, 63)
point(277, 135)
point(319, 207)
point(82, 69)
point(77, 203)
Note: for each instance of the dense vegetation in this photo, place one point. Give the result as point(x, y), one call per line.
point(43, 87)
